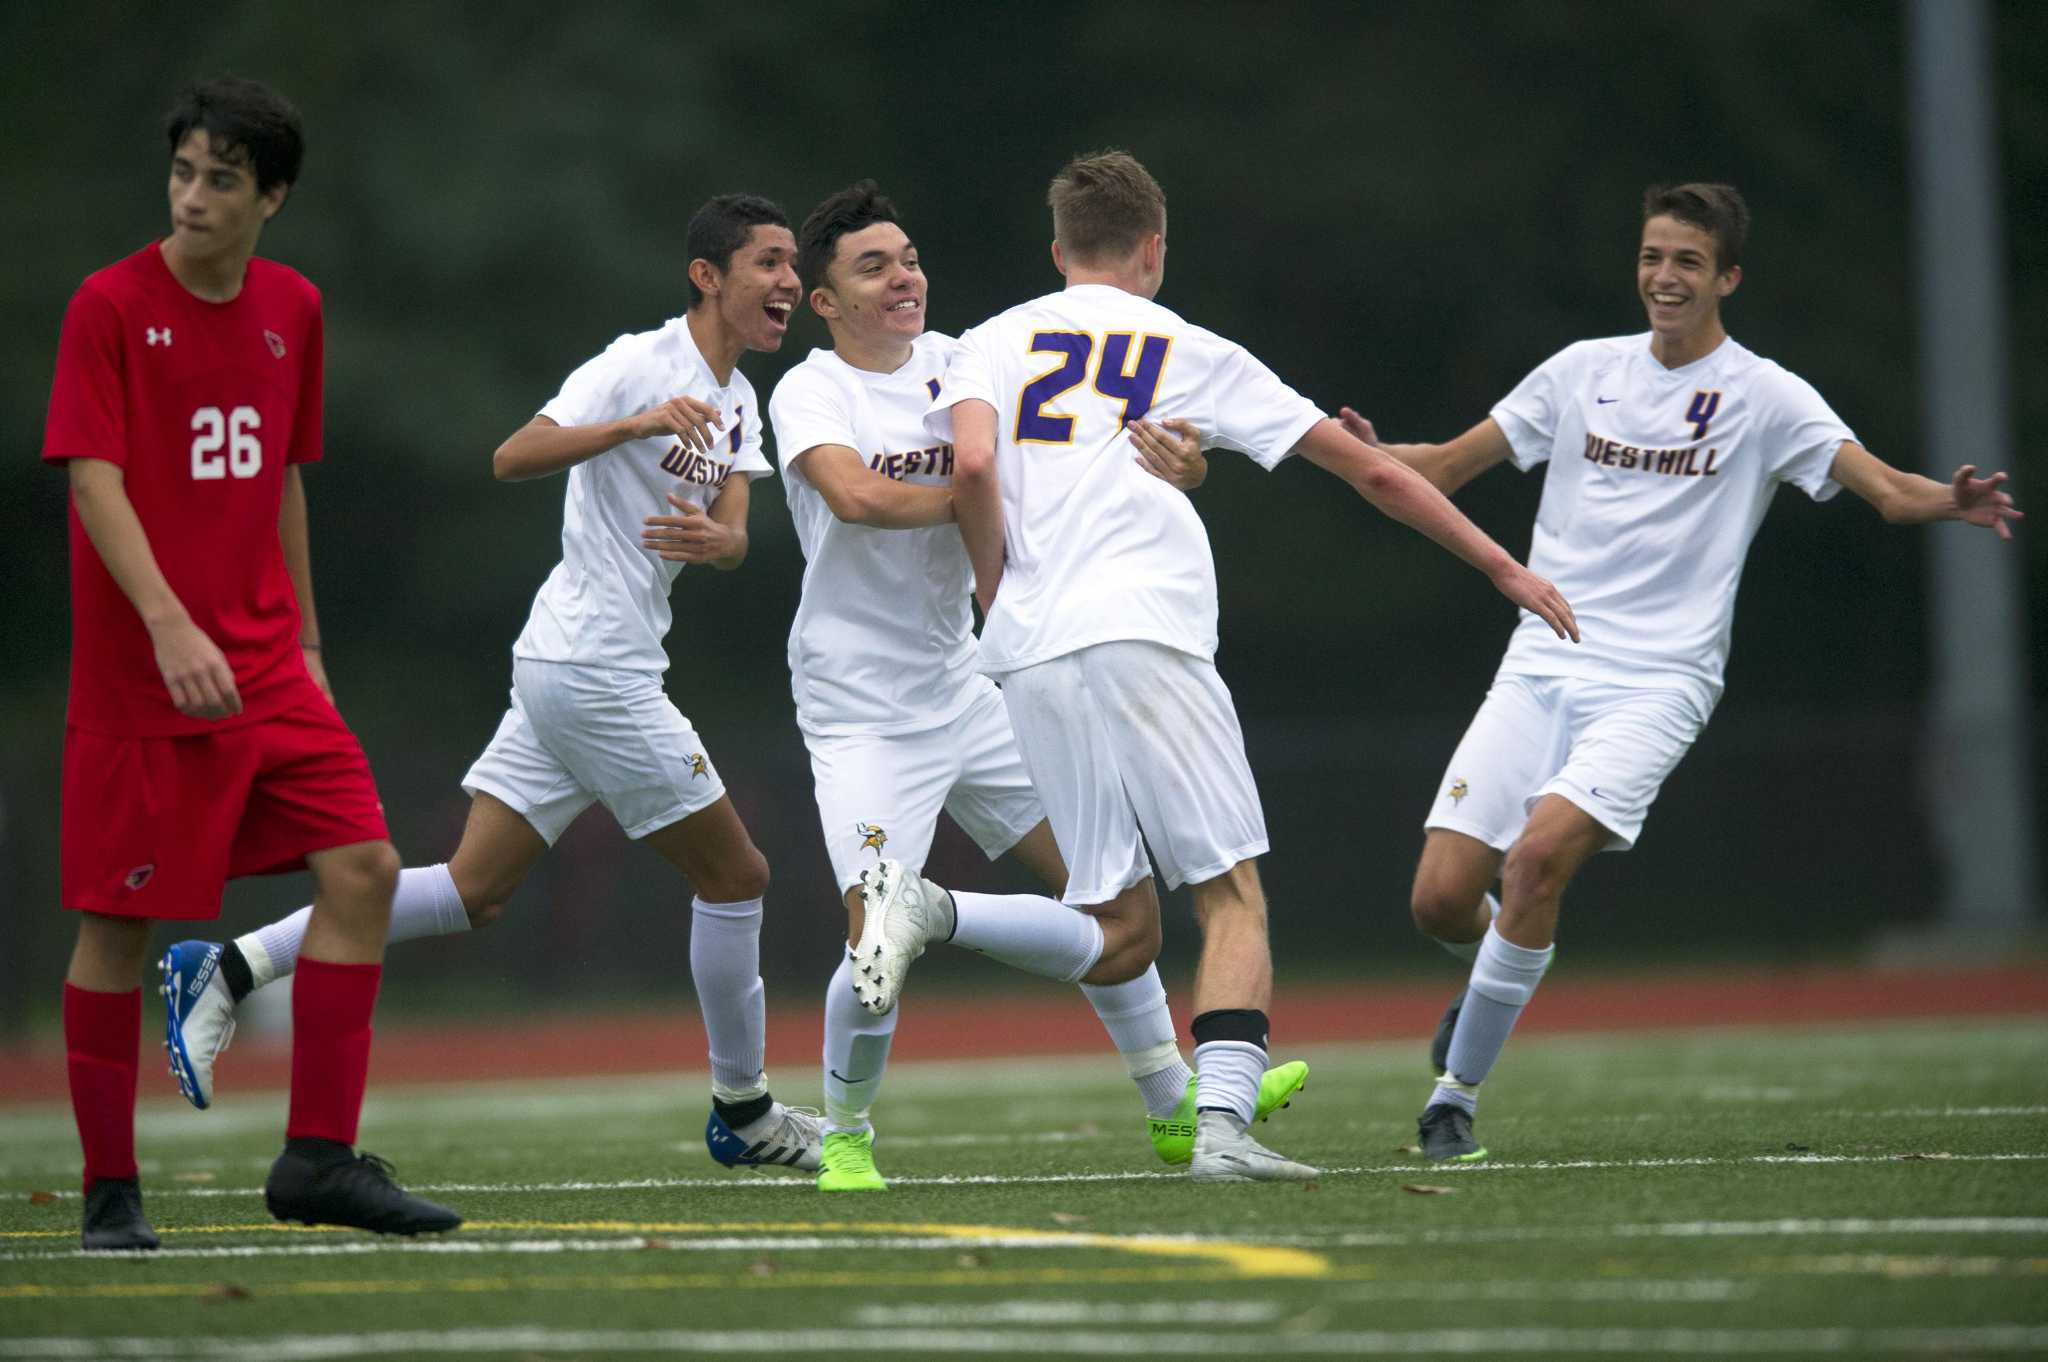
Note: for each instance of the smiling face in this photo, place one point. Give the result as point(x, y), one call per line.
point(216, 210)
point(1680, 283)
point(874, 289)
point(756, 293)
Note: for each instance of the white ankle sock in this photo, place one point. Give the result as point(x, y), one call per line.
point(856, 1051)
point(725, 966)
point(1036, 934)
point(1227, 1074)
point(1137, 1019)
point(426, 904)
point(1504, 978)
point(1468, 951)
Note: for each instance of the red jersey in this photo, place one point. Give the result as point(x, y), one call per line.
point(202, 404)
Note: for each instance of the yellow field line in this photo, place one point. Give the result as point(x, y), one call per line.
point(1236, 1259)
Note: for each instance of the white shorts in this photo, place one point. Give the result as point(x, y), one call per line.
point(1606, 748)
point(881, 796)
point(1129, 738)
point(579, 734)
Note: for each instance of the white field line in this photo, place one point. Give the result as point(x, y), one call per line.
point(1181, 1313)
point(770, 1181)
point(753, 1243)
point(1995, 1338)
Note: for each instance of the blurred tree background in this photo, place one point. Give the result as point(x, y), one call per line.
point(1401, 206)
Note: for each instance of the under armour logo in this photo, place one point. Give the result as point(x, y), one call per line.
point(157, 335)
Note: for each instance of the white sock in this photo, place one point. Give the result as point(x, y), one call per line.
point(856, 1051)
point(1468, 951)
point(725, 966)
point(1036, 934)
point(1504, 978)
point(426, 904)
point(1136, 1017)
point(1227, 1074)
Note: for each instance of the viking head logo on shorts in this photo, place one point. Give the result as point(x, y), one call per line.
point(139, 876)
point(1459, 789)
point(871, 836)
point(698, 766)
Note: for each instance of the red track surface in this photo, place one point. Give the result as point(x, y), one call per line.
point(1051, 1022)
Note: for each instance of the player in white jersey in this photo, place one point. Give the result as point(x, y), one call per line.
point(1664, 451)
point(1100, 597)
point(660, 436)
point(898, 719)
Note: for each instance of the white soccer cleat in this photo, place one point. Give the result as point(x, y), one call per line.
point(903, 913)
point(789, 1137)
point(1226, 1152)
point(199, 1016)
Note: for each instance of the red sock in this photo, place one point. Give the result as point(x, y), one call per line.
point(102, 1041)
point(331, 1006)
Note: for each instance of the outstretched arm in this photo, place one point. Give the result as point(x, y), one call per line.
point(541, 447)
point(1399, 491)
point(978, 496)
point(1908, 499)
point(1447, 466)
point(859, 495)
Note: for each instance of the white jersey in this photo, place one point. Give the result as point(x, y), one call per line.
point(1097, 548)
point(606, 602)
point(1658, 481)
point(883, 640)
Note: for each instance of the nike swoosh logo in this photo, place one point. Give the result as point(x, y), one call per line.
point(843, 1078)
point(1603, 401)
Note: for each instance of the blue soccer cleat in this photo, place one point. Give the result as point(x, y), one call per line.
point(788, 1137)
point(199, 1016)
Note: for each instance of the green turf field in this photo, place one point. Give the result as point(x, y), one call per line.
point(1876, 1192)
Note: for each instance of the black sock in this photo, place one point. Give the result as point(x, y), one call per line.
point(317, 1149)
point(234, 972)
point(1244, 1024)
point(739, 1114)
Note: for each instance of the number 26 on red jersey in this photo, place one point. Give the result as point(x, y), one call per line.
point(236, 431)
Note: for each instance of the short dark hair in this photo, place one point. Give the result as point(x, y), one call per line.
point(1716, 209)
point(861, 204)
point(245, 121)
point(1104, 204)
point(720, 228)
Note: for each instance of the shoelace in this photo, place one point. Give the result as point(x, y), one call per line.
point(369, 1165)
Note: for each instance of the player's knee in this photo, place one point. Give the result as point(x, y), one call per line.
point(739, 878)
point(1537, 868)
point(364, 874)
point(1130, 944)
point(484, 914)
point(1442, 911)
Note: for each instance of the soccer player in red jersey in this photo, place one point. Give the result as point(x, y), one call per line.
point(201, 740)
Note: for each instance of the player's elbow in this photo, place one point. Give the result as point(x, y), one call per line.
point(849, 505)
point(505, 462)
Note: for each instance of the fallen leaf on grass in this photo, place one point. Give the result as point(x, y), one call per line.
point(1424, 1189)
point(972, 1258)
point(195, 1176)
point(1065, 1218)
point(1913, 1157)
point(1799, 1148)
point(224, 1291)
point(40, 1198)
point(1311, 1186)
point(1407, 1149)
point(763, 1267)
point(655, 1244)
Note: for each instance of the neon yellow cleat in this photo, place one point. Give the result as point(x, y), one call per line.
point(849, 1163)
point(1174, 1136)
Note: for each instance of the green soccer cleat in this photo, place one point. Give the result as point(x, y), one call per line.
point(1174, 1136)
point(849, 1163)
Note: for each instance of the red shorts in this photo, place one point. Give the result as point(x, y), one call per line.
point(156, 827)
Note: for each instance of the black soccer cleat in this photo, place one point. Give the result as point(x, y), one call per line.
point(113, 1217)
point(1440, 1046)
point(1445, 1133)
point(322, 1182)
